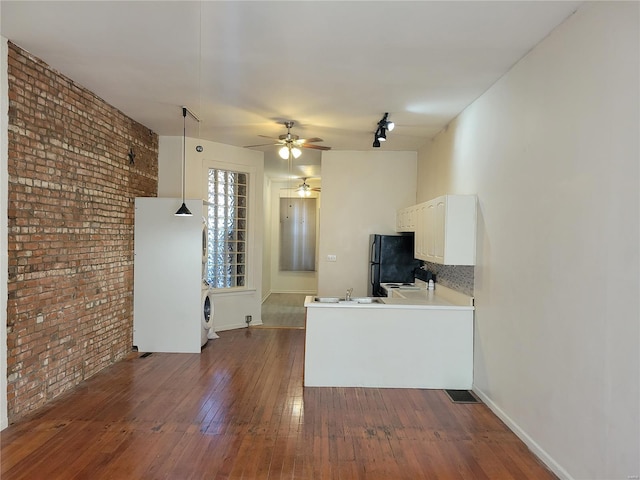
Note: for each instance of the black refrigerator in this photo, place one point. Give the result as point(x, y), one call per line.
point(390, 261)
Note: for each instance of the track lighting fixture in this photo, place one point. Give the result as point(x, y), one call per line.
point(384, 126)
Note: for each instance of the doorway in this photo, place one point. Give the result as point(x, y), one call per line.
point(283, 310)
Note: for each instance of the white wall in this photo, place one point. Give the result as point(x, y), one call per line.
point(231, 307)
point(281, 281)
point(4, 254)
point(552, 151)
point(361, 192)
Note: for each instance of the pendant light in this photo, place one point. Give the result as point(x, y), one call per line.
point(183, 211)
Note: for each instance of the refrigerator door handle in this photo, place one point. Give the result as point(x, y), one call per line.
point(372, 257)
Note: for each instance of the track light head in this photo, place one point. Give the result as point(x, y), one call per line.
point(384, 125)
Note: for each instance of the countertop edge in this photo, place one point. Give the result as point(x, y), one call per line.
point(389, 303)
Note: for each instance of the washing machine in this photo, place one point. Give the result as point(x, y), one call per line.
point(207, 331)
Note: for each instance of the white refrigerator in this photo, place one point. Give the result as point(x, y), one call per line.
point(167, 293)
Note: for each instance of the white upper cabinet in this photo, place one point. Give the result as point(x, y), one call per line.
point(420, 244)
point(406, 219)
point(446, 230)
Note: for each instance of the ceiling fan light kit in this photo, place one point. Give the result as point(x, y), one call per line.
point(384, 125)
point(291, 144)
point(304, 189)
point(284, 152)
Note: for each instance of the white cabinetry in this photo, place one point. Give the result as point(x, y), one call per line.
point(420, 248)
point(406, 219)
point(446, 230)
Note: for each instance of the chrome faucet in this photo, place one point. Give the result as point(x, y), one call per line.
point(348, 295)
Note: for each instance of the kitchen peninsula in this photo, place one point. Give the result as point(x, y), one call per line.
point(417, 339)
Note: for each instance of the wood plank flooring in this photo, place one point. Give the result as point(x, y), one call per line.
point(239, 411)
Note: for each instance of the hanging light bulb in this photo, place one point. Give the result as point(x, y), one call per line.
point(183, 211)
point(284, 153)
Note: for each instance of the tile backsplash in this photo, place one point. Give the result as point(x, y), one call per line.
point(456, 277)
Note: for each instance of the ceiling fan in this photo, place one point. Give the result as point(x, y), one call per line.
point(304, 189)
point(291, 144)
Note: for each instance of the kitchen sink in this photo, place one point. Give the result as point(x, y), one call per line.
point(354, 300)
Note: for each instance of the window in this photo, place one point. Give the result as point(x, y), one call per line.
point(227, 220)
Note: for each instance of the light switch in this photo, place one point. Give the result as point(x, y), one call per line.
point(331, 258)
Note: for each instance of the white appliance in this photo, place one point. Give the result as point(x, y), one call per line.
point(168, 295)
point(206, 320)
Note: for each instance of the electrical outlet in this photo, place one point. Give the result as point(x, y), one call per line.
point(331, 258)
point(247, 319)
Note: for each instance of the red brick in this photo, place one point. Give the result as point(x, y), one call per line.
point(70, 218)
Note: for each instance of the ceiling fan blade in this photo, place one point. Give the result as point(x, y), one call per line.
point(315, 147)
point(271, 138)
point(261, 145)
point(310, 140)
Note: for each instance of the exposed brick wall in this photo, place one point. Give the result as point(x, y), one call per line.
point(71, 208)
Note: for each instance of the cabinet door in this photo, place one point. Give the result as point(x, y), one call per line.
point(429, 231)
point(411, 218)
point(420, 229)
point(439, 228)
point(405, 219)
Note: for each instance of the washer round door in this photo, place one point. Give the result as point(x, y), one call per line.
point(207, 310)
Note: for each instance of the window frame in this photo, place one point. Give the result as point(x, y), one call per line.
point(250, 247)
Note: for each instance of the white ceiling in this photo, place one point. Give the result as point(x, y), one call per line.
point(244, 67)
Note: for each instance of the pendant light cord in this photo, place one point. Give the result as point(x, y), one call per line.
point(184, 149)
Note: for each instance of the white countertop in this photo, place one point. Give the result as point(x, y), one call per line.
point(440, 298)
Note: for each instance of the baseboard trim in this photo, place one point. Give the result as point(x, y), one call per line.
point(536, 449)
point(223, 328)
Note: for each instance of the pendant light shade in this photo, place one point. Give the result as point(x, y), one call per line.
point(284, 153)
point(183, 211)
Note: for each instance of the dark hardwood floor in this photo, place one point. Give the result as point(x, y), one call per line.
point(239, 411)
